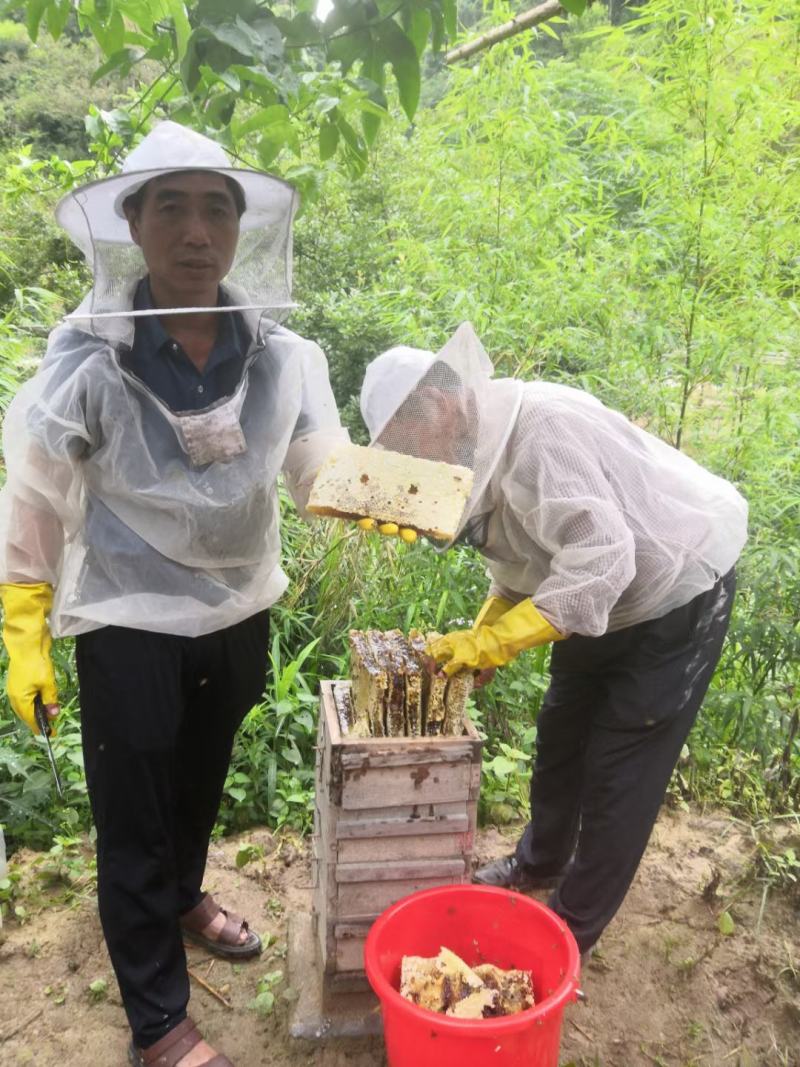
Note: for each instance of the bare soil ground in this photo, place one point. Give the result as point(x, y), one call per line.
point(667, 987)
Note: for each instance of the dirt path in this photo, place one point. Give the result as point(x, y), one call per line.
point(667, 988)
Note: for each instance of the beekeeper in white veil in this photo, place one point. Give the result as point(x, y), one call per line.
point(607, 542)
point(141, 514)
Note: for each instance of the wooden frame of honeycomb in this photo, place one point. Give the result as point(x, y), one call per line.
point(393, 692)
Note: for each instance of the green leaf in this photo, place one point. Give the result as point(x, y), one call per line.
point(292, 755)
point(357, 150)
point(402, 55)
point(265, 116)
point(370, 124)
point(328, 140)
point(120, 62)
point(268, 151)
point(238, 36)
point(118, 121)
point(725, 923)
point(205, 11)
point(109, 34)
point(35, 9)
point(373, 78)
point(302, 30)
point(575, 7)
point(180, 20)
point(270, 35)
point(501, 766)
point(257, 75)
point(347, 49)
point(437, 39)
point(272, 778)
point(57, 16)
point(263, 1003)
point(236, 792)
point(450, 10)
point(419, 28)
point(247, 853)
point(304, 718)
point(231, 79)
point(219, 109)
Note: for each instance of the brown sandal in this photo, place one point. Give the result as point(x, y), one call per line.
point(172, 1047)
point(227, 943)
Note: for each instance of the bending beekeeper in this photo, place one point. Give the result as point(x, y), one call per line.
point(141, 516)
point(606, 542)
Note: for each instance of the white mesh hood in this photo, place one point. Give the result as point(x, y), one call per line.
point(92, 215)
point(444, 407)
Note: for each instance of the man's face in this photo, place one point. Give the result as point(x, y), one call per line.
point(187, 228)
point(434, 424)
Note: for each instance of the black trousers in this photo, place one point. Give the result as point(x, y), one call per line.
point(158, 718)
point(610, 732)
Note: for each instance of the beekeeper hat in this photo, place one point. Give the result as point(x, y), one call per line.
point(388, 380)
point(401, 403)
point(393, 375)
point(260, 277)
point(93, 212)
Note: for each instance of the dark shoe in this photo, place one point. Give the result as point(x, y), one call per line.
point(508, 874)
point(171, 1049)
point(227, 943)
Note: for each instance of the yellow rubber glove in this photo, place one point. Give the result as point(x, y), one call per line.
point(518, 628)
point(491, 610)
point(28, 641)
point(389, 529)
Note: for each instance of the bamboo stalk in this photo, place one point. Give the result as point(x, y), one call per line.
point(516, 25)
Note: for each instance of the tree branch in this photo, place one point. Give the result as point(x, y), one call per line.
point(519, 23)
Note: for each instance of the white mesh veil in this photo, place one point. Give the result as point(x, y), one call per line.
point(260, 277)
point(444, 407)
point(137, 514)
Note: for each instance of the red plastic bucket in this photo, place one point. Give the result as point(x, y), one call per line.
point(482, 925)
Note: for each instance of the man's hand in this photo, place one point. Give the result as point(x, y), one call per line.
point(388, 529)
point(28, 641)
point(485, 647)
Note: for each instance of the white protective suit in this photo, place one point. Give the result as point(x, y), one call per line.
point(137, 515)
point(600, 523)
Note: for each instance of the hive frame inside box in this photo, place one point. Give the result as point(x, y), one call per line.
point(392, 816)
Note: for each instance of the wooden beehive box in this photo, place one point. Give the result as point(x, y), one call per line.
point(393, 815)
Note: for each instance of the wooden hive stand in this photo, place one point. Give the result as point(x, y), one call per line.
point(392, 816)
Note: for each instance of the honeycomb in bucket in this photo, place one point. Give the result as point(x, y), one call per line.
point(445, 984)
point(393, 694)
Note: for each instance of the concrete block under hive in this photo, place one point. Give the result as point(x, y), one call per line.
point(393, 815)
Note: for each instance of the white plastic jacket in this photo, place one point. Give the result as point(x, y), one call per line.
point(104, 501)
point(137, 515)
point(600, 523)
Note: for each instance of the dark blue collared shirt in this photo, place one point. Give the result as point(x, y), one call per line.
point(160, 362)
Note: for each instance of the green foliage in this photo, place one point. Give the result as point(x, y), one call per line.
point(279, 74)
point(97, 990)
point(45, 91)
point(621, 218)
point(778, 867)
point(264, 1000)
